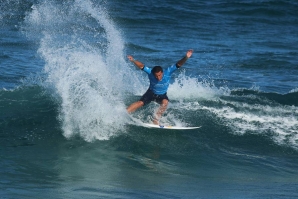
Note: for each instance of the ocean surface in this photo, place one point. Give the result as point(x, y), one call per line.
point(65, 83)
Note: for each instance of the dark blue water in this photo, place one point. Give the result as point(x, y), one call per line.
point(65, 82)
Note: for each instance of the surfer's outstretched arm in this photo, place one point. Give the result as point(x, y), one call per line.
point(184, 59)
point(139, 64)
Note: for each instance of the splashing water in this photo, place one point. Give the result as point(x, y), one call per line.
point(86, 68)
point(185, 87)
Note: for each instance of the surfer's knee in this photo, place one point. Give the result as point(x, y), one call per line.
point(164, 102)
point(134, 106)
point(140, 103)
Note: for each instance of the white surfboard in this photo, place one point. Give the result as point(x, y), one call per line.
point(148, 125)
point(169, 127)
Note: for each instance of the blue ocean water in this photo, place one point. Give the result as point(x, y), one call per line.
point(65, 82)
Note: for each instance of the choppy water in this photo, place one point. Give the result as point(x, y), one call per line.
point(65, 83)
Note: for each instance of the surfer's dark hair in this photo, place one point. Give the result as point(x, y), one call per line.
point(156, 69)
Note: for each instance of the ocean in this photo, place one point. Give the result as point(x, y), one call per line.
point(65, 83)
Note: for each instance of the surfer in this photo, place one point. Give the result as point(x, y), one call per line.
point(159, 84)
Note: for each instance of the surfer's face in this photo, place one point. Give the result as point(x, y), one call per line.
point(158, 75)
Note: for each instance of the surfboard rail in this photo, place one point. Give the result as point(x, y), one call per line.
point(150, 125)
point(169, 127)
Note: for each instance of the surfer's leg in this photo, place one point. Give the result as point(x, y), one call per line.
point(160, 111)
point(145, 99)
point(134, 106)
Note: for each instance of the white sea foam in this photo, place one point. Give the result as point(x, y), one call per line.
point(280, 122)
point(294, 90)
point(88, 74)
point(185, 87)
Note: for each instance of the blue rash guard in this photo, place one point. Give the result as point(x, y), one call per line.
point(160, 87)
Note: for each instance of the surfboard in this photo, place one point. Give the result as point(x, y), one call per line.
point(169, 127)
point(150, 125)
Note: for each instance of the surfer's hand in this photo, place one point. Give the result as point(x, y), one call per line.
point(130, 58)
point(139, 64)
point(189, 53)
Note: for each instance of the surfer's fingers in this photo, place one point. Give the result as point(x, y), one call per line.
point(130, 57)
point(189, 53)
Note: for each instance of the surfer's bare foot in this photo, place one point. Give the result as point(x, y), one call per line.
point(155, 121)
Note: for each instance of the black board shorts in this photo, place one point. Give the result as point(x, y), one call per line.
point(149, 96)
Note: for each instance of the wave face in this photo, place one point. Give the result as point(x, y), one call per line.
point(247, 137)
